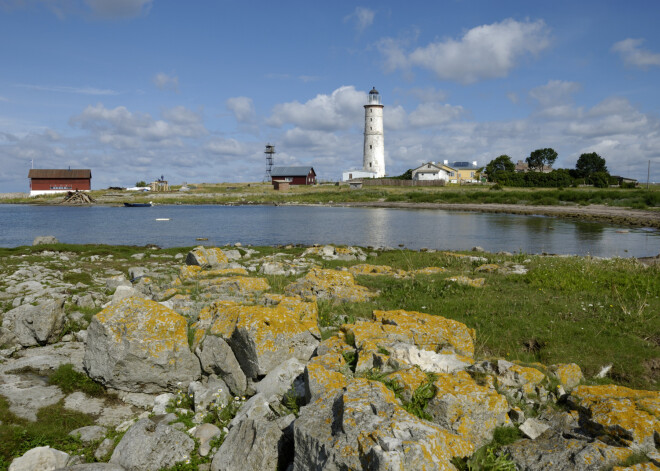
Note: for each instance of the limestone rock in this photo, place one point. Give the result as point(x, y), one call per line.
point(116, 281)
point(36, 325)
point(205, 433)
point(426, 360)
point(93, 467)
point(329, 252)
point(533, 428)
point(211, 390)
point(627, 415)
point(41, 240)
point(569, 375)
point(140, 346)
point(427, 332)
point(365, 428)
point(90, 433)
point(263, 337)
point(560, 454)
point(217, 357)
point(207, 257)
point(281, 378)
point(330, 284)
point(466, 408)
point(252, 444)
point(150, 447)
point(322, 377)
point(41, 458)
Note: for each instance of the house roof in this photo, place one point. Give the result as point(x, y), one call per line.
point(291, 171)
point(464, 165)
point(59, 173)
point(428, 167)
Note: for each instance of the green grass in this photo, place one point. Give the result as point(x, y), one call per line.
point(70, 380)
point(565, 309)
point(18, 435)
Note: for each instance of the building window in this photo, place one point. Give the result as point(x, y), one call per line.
point(61, 187)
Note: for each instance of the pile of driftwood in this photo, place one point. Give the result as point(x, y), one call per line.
point(77, 197)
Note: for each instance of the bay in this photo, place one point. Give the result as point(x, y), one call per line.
point(272, 225)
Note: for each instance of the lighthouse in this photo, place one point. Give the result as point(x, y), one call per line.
point(374, 144)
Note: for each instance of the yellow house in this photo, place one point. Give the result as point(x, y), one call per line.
point(463, 172)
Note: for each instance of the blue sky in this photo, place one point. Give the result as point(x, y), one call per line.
point(135, 89)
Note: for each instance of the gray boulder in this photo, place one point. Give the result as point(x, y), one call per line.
point(139, 345)
point(93, 467)
point(36, 325)
point(211, 390)
point(217, 357)
point(365, 428)
point(561, 454)
point(150, 447)
point(204, 434)
point(41, 240)
point(281, 379)
point(40, 458)
point(90, 433)
point(252, 444)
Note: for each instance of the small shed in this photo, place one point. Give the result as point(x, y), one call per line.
point(45, 181)
point(294, 175)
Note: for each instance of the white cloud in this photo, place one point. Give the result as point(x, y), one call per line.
point(632, 54)
point(119, 9)
point(340, 110)
point(428, 94)
point(363, 17)
point(434, 114)
point(555, 99)
point(123, 129)
point(226, 147)
point(242, 107)
point(484, 52)
point(166, 82)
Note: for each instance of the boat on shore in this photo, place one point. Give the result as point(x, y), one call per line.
point(138, 205)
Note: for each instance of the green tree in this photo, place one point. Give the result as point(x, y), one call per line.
point(589, 164)
point(496, 166)
point(541, 158)
point(141, 183)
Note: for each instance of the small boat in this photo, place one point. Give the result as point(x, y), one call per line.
point(138, 205)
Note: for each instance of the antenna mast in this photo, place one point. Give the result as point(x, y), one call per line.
point(270, 151)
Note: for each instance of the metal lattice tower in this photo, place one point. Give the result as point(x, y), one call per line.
point(270, 151)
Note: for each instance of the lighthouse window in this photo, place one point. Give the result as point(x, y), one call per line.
point(369, 164)
point(370, 146)
point(370, 128)
point(371, 119)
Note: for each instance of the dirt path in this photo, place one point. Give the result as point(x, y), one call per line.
point(614, 215)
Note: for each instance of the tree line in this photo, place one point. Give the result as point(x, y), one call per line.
point(590, 169)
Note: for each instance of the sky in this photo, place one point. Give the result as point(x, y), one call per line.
point(193, 91)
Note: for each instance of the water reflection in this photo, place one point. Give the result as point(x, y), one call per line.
point(269, 225)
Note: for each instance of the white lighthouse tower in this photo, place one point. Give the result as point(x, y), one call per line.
point(374, 144)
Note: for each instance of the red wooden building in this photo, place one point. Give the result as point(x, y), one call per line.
point(44, 180)
point(294, 175)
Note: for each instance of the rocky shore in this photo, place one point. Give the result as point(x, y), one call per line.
point(204, 365)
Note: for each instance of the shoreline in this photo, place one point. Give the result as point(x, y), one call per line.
point(592, 213)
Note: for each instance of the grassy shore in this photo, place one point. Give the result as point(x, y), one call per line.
point(564, 309)
point(263, 193)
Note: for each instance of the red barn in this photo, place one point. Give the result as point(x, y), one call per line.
point(294, 175)
point(44, 181)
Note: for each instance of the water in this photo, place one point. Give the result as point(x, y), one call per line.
point(271, 225)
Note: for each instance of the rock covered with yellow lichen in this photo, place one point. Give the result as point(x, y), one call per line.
point(207, 257)
point(628, 416)
point(330, 284)
point(139, 345)
point(363, 427)
point(262, 337)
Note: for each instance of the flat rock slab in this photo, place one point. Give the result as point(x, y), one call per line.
point(115, 415)
point(47, 358)
point(81, 402)
point(27, 394)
